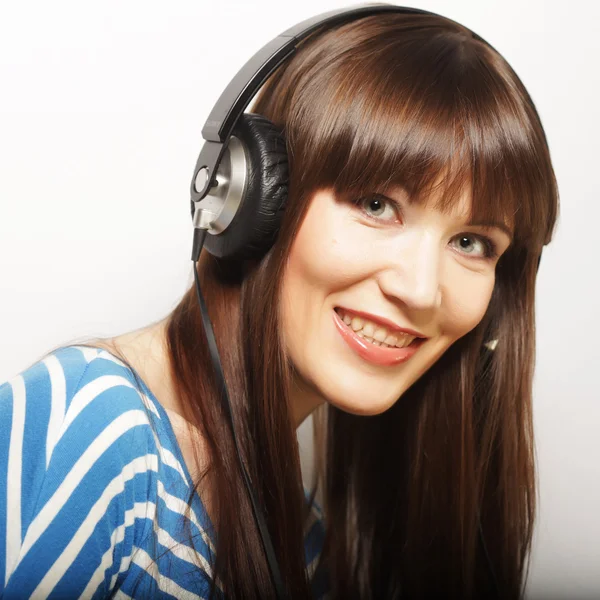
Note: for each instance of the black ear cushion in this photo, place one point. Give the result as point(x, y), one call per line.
point(254, 228)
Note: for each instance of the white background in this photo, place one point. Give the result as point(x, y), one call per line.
point(101, 110)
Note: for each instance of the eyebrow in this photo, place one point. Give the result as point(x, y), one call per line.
point(489, 224)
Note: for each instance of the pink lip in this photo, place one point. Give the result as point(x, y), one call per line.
point(375, 354)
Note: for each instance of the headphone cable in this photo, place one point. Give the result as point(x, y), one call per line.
point(199, 237)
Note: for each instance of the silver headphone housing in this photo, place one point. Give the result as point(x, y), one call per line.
point(224, 199)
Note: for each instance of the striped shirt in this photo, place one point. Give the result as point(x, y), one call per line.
point(88, 463)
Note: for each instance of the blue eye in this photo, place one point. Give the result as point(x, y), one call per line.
point(476, 245)
point(374, 207)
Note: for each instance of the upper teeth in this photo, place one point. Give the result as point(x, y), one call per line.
point(375, 333)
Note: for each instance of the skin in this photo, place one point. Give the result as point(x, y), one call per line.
point(405, 264)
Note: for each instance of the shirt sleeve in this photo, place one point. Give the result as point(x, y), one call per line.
point(77, 480)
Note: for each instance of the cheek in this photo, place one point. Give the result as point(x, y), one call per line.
point(468, 303)
point(321, 262)
point(301, 295)
point(327, 252)
point(323, 258)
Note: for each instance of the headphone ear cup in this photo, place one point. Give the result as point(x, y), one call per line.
point(255, 225)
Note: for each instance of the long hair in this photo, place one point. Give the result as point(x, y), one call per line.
point(394, 99)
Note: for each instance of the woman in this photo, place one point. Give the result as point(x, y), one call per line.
point(421, 193)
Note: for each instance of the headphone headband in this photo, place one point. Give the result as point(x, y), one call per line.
point(248, 80)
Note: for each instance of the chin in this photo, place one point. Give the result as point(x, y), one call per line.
point(364, 407)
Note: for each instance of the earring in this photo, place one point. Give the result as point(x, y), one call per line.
point(491, 345)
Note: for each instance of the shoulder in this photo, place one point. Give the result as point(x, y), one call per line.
point(79, 459)
point(75, 397)
point(59, 377)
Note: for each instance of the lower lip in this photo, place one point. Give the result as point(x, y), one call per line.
point(375, 354)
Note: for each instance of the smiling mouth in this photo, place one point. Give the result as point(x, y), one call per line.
point(370, 350)
point(375, 333)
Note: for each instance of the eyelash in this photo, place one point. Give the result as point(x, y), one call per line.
point(490, 249)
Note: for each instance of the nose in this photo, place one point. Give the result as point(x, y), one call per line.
point(413, 275)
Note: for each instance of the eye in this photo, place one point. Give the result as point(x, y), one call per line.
point(376, 206)
point(476, 245)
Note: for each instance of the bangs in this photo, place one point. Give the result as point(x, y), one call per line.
point(433, 115)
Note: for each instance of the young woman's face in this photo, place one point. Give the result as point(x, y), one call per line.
point(400, 266)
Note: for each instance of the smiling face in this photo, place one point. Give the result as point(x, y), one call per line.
point(408, 264)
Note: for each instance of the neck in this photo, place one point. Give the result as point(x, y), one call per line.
point(304, 399)
point(146, 350)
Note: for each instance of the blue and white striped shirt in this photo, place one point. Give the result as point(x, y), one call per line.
point(86, 461)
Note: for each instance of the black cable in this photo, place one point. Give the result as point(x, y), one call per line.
point(199, 237)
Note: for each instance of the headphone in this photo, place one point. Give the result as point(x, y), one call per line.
point(239, 190)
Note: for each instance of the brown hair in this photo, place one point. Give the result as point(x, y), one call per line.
point(394, 99)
